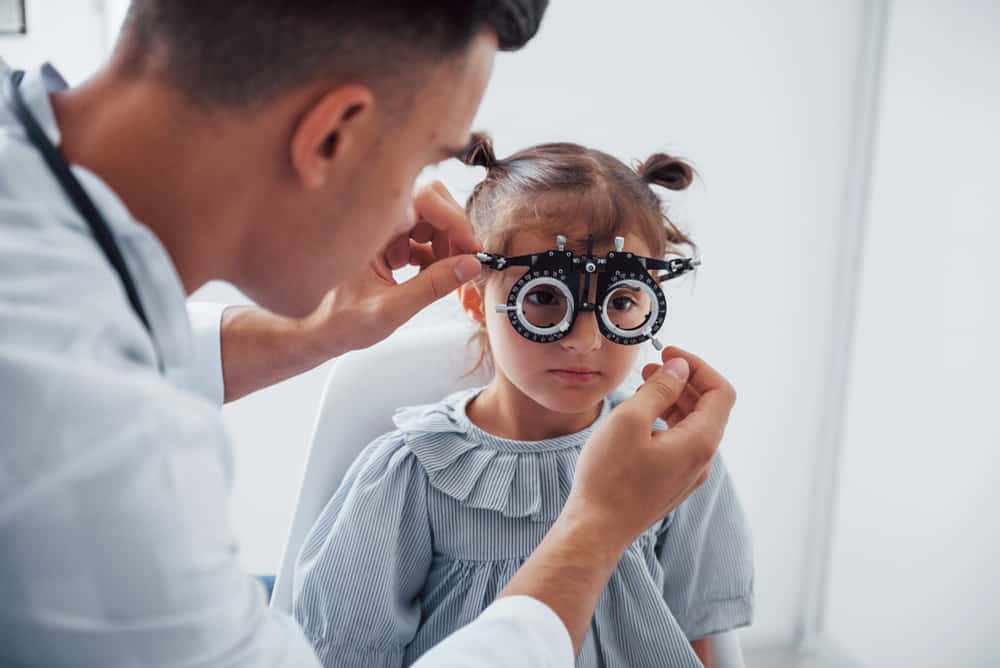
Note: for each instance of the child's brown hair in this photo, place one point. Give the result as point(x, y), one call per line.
point(554, 187)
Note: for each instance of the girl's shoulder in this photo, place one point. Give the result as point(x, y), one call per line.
point(426, 437)
point(434, 433)
point(446, 415)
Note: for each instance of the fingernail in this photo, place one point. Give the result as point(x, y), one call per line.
point(467, 269)
point(678, 368)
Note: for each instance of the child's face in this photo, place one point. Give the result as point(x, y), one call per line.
point(568, 375)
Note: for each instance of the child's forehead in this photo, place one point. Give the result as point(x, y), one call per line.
point(529, 241)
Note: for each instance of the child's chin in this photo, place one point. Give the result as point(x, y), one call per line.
point(571, 398)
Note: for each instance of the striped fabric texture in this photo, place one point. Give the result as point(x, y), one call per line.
point(434, 518)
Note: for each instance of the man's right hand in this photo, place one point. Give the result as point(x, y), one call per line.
point(371, 305)
point(260, 348)
point(630, 476)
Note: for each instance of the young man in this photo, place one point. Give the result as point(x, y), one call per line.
point(273, 145)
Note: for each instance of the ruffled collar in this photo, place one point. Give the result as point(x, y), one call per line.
point(450, 415)
point(482, 470)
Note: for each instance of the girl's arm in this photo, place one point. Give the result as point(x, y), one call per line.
point(707, 558)
point(703, 648)
point(358, 578)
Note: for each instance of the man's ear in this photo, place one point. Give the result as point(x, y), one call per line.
point(472, 302)
point(327, 130)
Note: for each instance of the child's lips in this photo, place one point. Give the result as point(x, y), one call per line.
point(576, 376)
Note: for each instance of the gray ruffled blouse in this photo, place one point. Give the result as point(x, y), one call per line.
point(434, 518)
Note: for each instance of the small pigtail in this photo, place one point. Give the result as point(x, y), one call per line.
point(480, 152)
point(664, 170)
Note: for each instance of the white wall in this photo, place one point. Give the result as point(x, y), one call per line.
point(72, 34)
point(913, 579)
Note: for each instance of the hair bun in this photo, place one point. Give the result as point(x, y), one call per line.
point(480, 152)
point(664, 170)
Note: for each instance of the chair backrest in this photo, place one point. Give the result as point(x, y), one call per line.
point(364, 389)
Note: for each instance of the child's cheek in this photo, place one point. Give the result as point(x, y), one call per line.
point(625, 359)
point(507, 345)
point(522, 359)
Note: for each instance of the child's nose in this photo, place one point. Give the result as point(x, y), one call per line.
point(584, 336)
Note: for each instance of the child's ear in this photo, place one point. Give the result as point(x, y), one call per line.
point(472, 302)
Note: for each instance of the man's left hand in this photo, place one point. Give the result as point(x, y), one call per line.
point(372, 305)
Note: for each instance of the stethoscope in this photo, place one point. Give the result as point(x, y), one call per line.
point(81, 201)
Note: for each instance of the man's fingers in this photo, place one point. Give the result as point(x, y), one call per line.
point(674, 415)
point(441, 243)
point(700, 432)
point(685, 402)
point(682, 407)
point(436, 207)
point(715, 394)
point(698, 413)
point(420, 255)
point(380, 265)
point(703, 377)
point(397, 253)
point(422, 232)
point(686, 446)
point(661, 390)
point(432, 283)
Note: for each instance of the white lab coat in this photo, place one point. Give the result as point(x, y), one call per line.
point(115, 546)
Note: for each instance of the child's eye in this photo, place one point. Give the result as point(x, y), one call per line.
point(622, 303)
point(543, 298)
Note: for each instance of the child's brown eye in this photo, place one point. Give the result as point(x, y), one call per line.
point(629, 307)
point(543, 298)
point(622, 303)
point(544, 306)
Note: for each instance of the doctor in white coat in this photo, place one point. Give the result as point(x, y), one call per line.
point(273, 145)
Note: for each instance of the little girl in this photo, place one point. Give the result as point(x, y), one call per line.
point(434, 518)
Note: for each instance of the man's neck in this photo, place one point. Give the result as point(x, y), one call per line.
point(164, 159)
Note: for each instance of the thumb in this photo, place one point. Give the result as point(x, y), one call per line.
point(663, 387)
point(433, 282)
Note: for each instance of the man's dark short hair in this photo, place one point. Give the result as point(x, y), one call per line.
point(243, 53)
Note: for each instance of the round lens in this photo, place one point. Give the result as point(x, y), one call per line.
point(629, 305)
point(544, 305)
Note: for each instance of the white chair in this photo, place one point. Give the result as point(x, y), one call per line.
point(412, 367)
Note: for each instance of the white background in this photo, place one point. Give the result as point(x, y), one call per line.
point(917, 537)
point(767, 101)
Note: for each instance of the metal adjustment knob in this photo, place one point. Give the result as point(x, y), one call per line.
point(590, 267)
point(560, 242)
point(503, 308)
point(652, 339)
point(619, 244)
